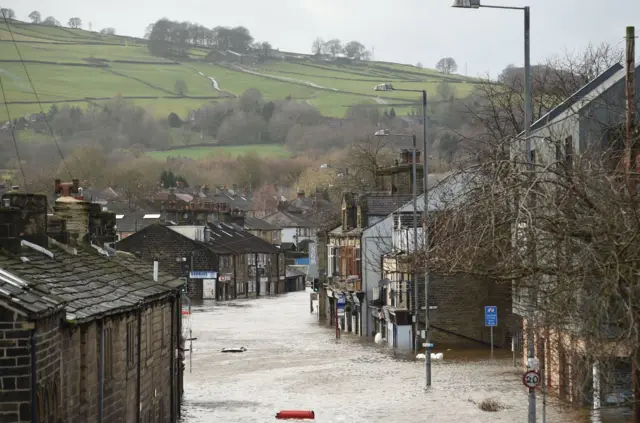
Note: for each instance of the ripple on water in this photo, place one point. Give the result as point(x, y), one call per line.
point(292, 362)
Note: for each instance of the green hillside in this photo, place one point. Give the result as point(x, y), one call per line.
point(79, 67)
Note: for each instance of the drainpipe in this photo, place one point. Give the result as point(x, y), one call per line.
point(172, 353)
point(34, 398)
point(235, 281)
point(101, 375)
point(277, 256)
point(139, 398)
point(257, 276)
point(365, 308)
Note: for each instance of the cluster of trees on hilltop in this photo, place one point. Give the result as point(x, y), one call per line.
point(353, 49)
point(168, 37)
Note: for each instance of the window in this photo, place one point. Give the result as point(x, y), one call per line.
point(131, 345)
point(108, 354)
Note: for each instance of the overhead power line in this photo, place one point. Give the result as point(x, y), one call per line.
point(13, 134)
point(35, 93)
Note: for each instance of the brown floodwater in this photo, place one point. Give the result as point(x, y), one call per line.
point(293, 362)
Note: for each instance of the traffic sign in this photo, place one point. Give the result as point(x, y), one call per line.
point(491, 316)
point(342, 301)
point(428, 345)
point(531, 379)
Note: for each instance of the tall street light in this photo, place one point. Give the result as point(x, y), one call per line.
point(389, 87)
point(386, 133)
point(528, 108)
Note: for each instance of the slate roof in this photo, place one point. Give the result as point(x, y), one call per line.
point(133, 222)
point(383, 204)
point(91, 285)
point(25, 295)
point(287, 220)
point(577, 96)
point(171, 234)
point(234, 237)
point(259, 224)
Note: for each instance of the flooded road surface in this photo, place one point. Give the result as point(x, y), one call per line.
point(293, 362)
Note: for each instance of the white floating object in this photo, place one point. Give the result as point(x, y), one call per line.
point(378, 338)
point(421, 357)
point(437, 356)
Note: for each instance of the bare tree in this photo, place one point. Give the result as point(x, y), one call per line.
point(8, 13)
point(51, 21)
point(75, 23)
point(318, 46)
point(447, 65)
point(562, 231)
point(333, 47)
point(446, 91)
point(35, 17)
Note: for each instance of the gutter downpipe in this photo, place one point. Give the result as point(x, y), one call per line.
point(34, 368)
point(139, 398)
point(101, 375)
point(366, 285)
point(172, 354)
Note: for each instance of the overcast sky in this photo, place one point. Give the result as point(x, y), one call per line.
point(406, 31)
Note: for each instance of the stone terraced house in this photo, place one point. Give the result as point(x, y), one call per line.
point(86, 334)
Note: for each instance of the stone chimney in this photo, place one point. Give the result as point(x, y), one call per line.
point(23, 216)
point(76, 215)
point(85, 222)
point(237, 216)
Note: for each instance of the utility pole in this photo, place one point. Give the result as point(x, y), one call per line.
point(631, 158)
point(425, 228)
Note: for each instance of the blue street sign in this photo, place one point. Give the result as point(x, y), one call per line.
point(491, 316)
point(428, 345)
point(342, 299)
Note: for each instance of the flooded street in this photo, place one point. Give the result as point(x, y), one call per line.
point(293, 362)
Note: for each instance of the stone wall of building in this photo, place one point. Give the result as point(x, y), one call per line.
point(460, 312)
point(15, 362)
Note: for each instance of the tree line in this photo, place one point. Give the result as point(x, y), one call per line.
point(174, 38)
point(36, 18)
point(353, 49)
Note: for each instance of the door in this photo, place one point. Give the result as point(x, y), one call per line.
point(208, 289)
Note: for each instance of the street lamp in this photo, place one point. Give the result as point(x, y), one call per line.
point(390, 87)
point(528, 108)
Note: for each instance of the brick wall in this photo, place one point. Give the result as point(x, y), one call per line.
point(461, 303)
point(15, 362)
point(48, 366)
point(77, 351)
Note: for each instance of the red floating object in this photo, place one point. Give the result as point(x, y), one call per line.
point(296, 415)
point(185, 312)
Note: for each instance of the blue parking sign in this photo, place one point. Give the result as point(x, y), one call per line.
point(491, 316)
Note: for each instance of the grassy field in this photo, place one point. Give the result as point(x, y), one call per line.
point(66, 76)
point(263, 150)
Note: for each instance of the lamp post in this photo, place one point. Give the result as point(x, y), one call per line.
point(386, 133)
point(528, 108)
point(425, 162)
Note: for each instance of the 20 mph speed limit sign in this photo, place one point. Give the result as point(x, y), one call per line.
point(531, 379)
